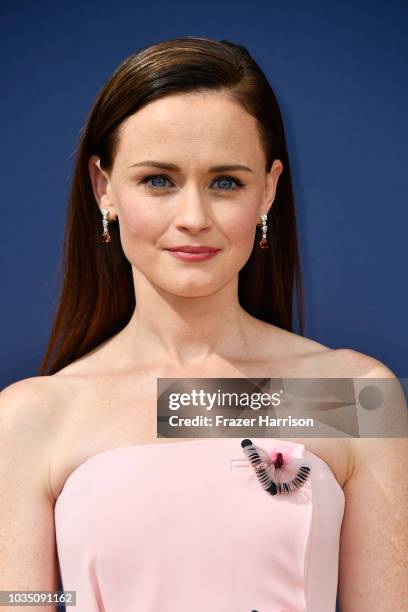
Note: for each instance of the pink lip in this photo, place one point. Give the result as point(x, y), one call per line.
point(188, 248)
point(193, 255)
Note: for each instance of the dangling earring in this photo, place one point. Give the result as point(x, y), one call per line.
point(105, 221)
point(264, 242)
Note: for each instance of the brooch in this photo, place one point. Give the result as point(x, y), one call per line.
point(277, 471)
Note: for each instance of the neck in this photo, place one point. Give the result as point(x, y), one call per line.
point(167, 328)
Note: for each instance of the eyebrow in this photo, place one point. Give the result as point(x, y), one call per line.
point(169, 166)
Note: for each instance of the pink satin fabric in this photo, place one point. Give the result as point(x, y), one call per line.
point(187, 527)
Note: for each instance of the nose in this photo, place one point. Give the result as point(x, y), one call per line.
point(192, 211)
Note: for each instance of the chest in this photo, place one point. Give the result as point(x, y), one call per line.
point(117, 412)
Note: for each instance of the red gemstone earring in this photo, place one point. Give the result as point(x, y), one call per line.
point(105, 221)
point(264, 242)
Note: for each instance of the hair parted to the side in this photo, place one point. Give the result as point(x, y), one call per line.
point(97, 294)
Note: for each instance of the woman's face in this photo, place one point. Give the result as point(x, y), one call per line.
point(165, 191)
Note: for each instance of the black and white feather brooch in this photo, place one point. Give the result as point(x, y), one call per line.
point(277, 470)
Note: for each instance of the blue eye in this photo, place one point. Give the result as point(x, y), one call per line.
point(161, 177)
point(225, 180)
point(228, 179)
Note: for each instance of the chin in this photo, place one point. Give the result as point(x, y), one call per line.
point(191, 290)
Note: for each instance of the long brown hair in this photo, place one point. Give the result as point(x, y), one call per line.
point(97, 295)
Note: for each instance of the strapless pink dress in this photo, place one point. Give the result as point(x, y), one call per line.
point(187, 527)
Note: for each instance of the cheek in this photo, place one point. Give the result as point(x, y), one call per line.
point(241, 229)
point(137, 219)
point(239, 234)
point(139, 225)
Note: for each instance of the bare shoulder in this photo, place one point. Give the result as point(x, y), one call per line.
point(310, 358)
point(32, 396)
point(343, 362)
point(28, 425)
point(316, 360)
point(374, 531)
point(25, 401)
point(359, 365)
point(347, 362)
point(370, 454)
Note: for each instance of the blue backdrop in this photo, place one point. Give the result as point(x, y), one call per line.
point(339, 71)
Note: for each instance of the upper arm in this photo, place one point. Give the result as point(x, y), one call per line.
point(374, 535)
point(28, 558)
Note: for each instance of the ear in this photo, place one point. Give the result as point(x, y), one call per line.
point(271, 182)
point(101, 186)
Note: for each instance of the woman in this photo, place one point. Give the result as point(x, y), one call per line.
point(183, 152)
